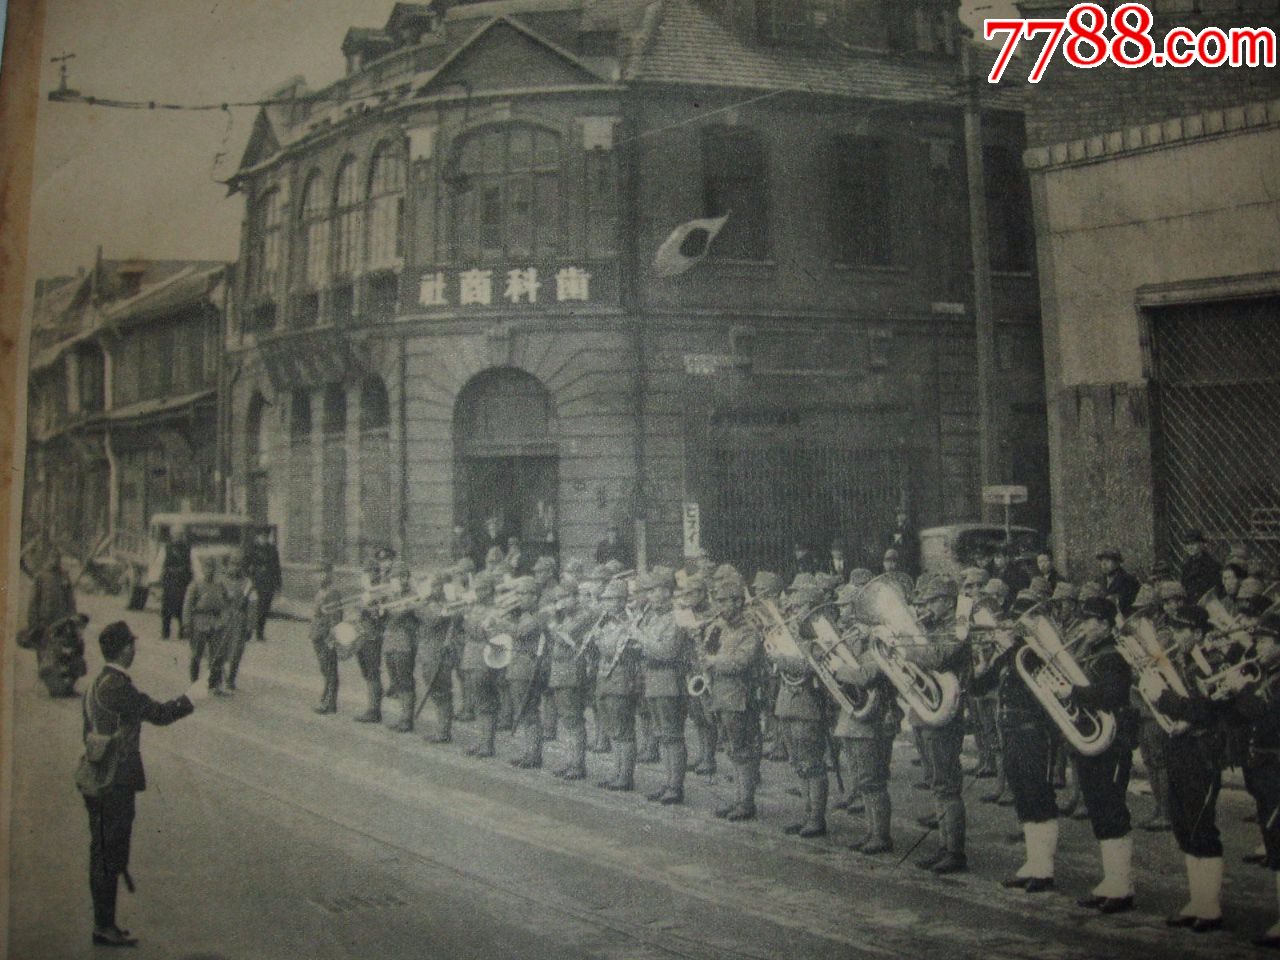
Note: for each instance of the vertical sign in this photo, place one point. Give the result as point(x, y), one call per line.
point(692, 513)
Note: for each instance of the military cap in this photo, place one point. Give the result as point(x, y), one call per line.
point(114, 638)
point(939, 586)
point(1190, 615)
point(1089, 590)
point(974, 576)
point(1029, 596)
point(1040, 587)
point(1098, 608)
point(803, 581)
point(995, 587)
point(543, 564)
point(726, 570)
point(1194, 535)
point(1109, 553)
point(612, 568)
point(1269, 624)
point(523, 585)
point(1065, 591)
point(615, 589)
point(657, 578)
point(727, 584)
point(1171, 590)
point(860, 576)
point(891, 554)
point(766, 582)
point(690, 585)
point(494, 555)
point(1145, 597)
point(576, 568)
point(483, 583)
point(846, 594)
point(1249, 587)
point(465, 565)
point(384, 553)
point(589, 589)
point(826, 581)
point(596, 572)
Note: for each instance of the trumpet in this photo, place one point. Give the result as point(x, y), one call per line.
point(700, 683)
point(370, 597)
point(1220, 678)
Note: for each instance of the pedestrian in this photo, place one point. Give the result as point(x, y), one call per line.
point(115, 708)
point(263, 561)
point(906, 542)
point(612, 548)
point(240, 618)
point(1200, 571)
point(175, 576)
point(1118, 584)
point(326, 614)
point(203, 619)
point(837, 563)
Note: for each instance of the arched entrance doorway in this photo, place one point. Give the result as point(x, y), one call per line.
point(506, 462)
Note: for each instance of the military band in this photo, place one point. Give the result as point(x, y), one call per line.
point(828, 669)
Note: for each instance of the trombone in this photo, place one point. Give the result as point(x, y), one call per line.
point(370, 597)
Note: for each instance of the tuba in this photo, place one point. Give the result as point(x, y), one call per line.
point(881, 605)
point(829, 653)
point(1052, 674)
point(779, 641)
point(1139, 644)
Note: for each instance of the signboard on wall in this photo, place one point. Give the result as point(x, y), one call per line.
point(692, 514)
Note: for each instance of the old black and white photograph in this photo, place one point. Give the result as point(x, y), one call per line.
point(642, 479)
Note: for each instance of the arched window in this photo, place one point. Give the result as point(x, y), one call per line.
point(386, 207)
point(505, 193)
point(346, 221)
point(314, 234)
point(264, 249)
point(255, 449)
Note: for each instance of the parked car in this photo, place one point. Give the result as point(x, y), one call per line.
point(951, 548)
point(213, 536)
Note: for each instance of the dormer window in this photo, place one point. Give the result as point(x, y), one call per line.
point(792, 22)
point(410, 22)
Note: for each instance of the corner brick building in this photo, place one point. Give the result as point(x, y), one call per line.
point(447, 309)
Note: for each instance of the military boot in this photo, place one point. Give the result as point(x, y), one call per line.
point(444, 723)
point(373, 714)
point(879, 820)
point(953, 859)
point(626, 768)
point(488, 726)
point(576, 769)
point(647, 752)
point(408, 705)
point(792, 829)
point(816, 825)
point(674, 792)
point(748, 775)
point(706, 765)
point(531, 759)
point(655, 795)
point(550, 718)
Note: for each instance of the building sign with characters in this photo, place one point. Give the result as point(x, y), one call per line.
point(519, 285)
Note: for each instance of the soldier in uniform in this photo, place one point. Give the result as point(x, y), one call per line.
point(544, 578)
point(768, 586)
point(400, 637)
point(569, 628)
point(175, 577)
point(666, 651)
point(241, 618)
point(481, 681)
point(1029, 739)
point(867, 739)
point(691, 597)
point(203, 616)
point(1196, 760)
point(1118, 584)
point(618, 683)
point(325, 615)
point(1104, 778)
point(369, 653)
point(732, 655)
point(943, 743)
point(801, 710)
point(525, 673)
point(1259, 706)
point(437, 652)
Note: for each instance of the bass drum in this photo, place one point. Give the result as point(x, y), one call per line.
point(348, 637)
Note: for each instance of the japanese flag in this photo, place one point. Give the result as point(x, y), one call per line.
point(686, 246)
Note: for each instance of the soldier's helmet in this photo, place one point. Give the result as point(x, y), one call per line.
point(615, 589)
point(766, 582)
point(484, 585)
point(727, 584)
point(860, 576)
point(1065, 591)
point(658, 578)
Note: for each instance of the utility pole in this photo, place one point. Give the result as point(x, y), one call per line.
point(984, 327)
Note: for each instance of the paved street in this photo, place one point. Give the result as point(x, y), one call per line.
point(268, 832)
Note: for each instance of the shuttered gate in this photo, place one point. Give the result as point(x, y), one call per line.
point(1218, 422)
point(758, 500)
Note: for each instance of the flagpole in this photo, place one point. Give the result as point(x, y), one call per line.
point(633, 302)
